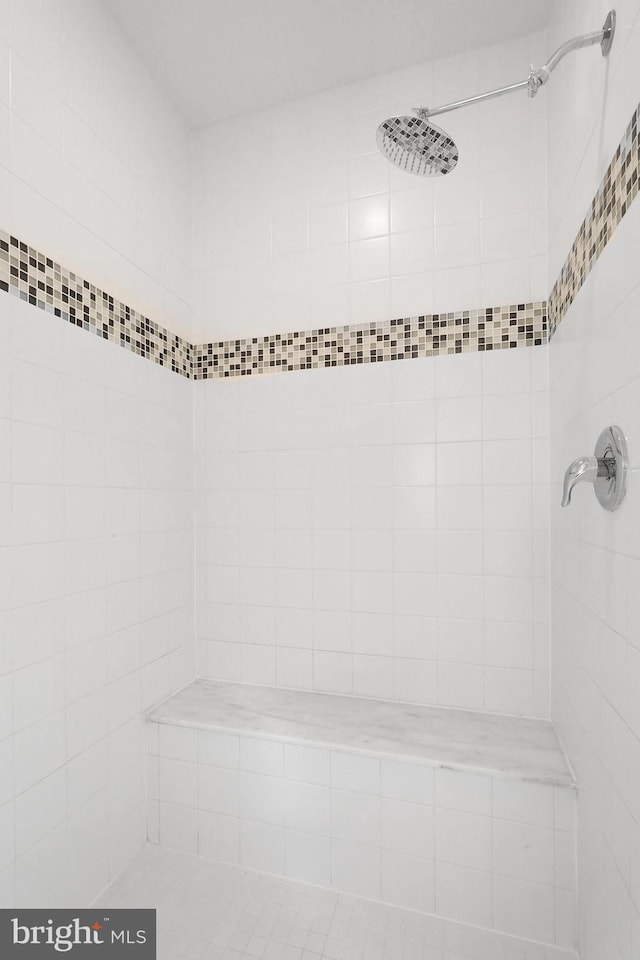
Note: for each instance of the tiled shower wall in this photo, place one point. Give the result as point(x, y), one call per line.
point(594, 381)
point(96, 567)
point(299, 222)
point(376, 530)
point(590, 103)
point(94, 166)
point(95, 598)
point(380, 531)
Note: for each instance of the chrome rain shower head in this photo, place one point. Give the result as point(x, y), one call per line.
point(416, 145)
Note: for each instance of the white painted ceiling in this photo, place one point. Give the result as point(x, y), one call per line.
point(215, 58)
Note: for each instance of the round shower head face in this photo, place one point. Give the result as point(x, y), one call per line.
point(417, 146)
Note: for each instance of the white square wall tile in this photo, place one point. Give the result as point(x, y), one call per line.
point(333, 672)
point(368, 260)
point(306, 764)
point(460, 507)
point(369, 217)
point(219, 790)
point(529, 803)
point(412, 268)
point(38, 872)
point(328, 225)
point(416, 681)
point(307, 858)
point(507, 416)
point(219, 749)
point(356, 868)
point(508, 553)
point(261, 756)
point(294, 668)
point(463, 792)
point(414, 464)
point(355, 817)
point(524, 909)
point(262, 847)
point(508, 462)
point(177, 782)
point(463, 840)
point(411, 782)
point(408, 881)
point(408, 828)
point(458, 419)
point(523, 852)
point(218, 837)
point(262, 798)
point(373, 677)
point(464, 895)
point(42, 749)
point(461, 685)
point(355, 773)
point(178, 743)
point(460, 463)
point(179, 827)
point(457, 245)
point(509, 691)
point(307, 808)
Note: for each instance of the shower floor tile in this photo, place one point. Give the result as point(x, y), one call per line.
point(212, 911)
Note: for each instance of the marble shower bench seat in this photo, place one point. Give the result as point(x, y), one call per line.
point(509, 746)
point(468, 816)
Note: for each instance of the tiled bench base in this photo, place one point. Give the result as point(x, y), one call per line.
point(490, 847)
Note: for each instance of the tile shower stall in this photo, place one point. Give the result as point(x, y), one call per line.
point(297, 645)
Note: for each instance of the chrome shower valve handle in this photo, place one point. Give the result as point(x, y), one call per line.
point(607, 470)
point(584, 470)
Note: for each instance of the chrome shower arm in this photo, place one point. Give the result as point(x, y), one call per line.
point(424, 112)
point(536, 78)
point(587, 40)
point(604, 37)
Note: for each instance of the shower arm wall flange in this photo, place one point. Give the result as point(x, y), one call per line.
point(536, 78)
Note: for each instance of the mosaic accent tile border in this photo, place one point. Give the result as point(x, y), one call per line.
point(40, 281)
point(44, 283)
point(467, 331)
point(615, 194)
